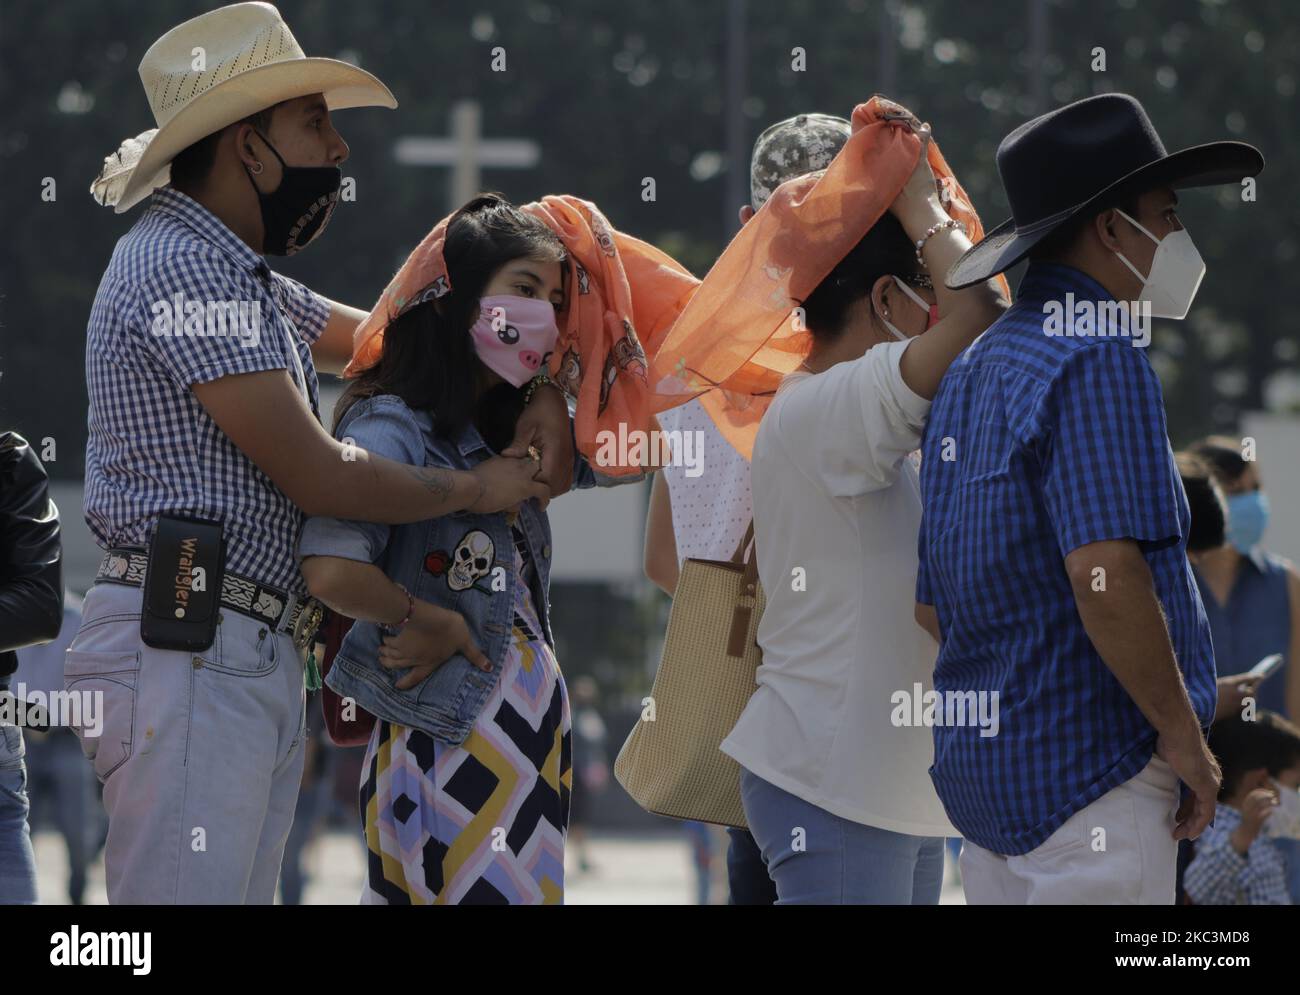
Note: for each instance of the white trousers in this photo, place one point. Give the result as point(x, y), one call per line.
point(1119, 850)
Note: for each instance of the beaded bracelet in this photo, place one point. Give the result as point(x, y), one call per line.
point(931, 231)
point(410, 606)
point(536, 382)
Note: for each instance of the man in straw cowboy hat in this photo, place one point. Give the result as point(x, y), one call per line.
point(203, 406)
point(1053, 563)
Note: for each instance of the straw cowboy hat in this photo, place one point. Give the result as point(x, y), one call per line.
point(212, 71)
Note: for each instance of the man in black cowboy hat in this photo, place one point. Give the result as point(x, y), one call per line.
point(1053, 566)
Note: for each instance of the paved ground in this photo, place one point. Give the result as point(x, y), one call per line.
point(625, 870)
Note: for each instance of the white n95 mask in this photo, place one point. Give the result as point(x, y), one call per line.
point(1176, 272)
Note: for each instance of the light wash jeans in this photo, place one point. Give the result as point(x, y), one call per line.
point(17, 862)
point(200, 753)
point(845, 862)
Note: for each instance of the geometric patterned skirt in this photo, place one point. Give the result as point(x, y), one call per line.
point(483, 823)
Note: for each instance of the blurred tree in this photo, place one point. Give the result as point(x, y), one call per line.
point(618, 93)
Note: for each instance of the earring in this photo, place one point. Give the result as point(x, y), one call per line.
point(258, 170)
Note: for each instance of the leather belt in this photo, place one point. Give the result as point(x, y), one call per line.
point(281, 610)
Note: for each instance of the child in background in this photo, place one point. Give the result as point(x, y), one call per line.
point(1237, 861)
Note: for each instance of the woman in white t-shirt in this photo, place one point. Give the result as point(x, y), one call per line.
point(839, 797)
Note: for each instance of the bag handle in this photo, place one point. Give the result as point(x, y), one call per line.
point(739, 555)
point(744, 607)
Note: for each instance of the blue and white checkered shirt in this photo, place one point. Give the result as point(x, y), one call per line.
point(1219, 875)
point(1037, 445)
point(185, 301)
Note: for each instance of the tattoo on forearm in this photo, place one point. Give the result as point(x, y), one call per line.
point(436, 481)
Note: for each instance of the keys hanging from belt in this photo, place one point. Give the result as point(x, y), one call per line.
point(304, 637)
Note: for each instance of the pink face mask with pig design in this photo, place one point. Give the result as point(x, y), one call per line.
point(514, 336)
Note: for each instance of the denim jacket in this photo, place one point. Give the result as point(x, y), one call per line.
point(463, 561)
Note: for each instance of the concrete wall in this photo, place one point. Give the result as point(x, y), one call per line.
point(1277, 447)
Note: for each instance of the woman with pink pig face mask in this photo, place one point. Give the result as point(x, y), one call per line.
point(451, 651)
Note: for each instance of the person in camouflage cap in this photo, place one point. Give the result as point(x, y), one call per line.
point(715, 508)
point(798, 145)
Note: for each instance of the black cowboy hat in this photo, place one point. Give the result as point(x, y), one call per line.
point(1079, 156)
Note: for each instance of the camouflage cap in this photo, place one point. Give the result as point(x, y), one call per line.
point(801, 144)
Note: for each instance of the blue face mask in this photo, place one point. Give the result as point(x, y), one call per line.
point(1247, 519)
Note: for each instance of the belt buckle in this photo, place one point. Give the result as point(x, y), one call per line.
point(309, 621)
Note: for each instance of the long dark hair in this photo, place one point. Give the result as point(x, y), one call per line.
point(428, 357)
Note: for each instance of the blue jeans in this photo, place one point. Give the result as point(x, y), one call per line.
point(700, 837)
point(747, 876)
point(62, 789)
point(839, 862)
point(314, 799)
point(17, 861)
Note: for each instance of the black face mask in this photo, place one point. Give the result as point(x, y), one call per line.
point(298, 210)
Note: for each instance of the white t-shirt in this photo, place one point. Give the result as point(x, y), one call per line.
point(711, 510)
point(837, 508)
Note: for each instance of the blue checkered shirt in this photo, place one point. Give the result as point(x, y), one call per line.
point(1037, 445)
point(152, 449)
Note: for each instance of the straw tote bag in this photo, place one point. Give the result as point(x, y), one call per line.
point(671, 764)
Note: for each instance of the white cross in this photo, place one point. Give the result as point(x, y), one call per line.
point(466, 152)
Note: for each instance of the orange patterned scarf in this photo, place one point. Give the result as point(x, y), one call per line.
point(740, 333)
point(623, 297)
